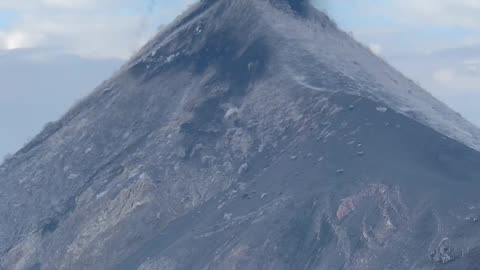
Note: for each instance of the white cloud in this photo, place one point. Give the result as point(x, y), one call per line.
point(71, 4)
point(102, 28)
point(90, 28)
point(472, 66)
point(17, 40)
point(444, 75)
point(459, 13)
point(430, 25)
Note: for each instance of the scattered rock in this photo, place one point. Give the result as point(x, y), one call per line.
point(382, 109)
point(444, 253)
point(227, 165)
point(197, 148)
point(261, 148)
point(340, 171)
point(246, 196)
point(243, 169)
point(231, 113)
point(181, 153)
point(472, 218)
point(208, 160)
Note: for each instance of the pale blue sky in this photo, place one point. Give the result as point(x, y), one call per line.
point(6, 18)
point(434, 42)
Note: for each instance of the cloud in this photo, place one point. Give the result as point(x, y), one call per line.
point(17, 39)
point(430, 25)
point(444, 76)
point(452, 75)
point(71, 4)
point(458, 13)
point(472, 66)
point(89, 28)
point(401, 31)
point(116, 28)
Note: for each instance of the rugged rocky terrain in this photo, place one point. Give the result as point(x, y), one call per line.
point(249, 134)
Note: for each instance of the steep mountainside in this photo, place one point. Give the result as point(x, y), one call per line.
point(250, 134)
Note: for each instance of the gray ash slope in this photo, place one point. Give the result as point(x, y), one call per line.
point(250, 134)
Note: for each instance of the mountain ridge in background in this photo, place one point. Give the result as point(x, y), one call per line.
point(249, 134)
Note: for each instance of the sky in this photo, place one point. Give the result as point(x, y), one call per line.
point(434, 42)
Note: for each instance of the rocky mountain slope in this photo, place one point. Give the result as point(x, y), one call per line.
point(250, 134)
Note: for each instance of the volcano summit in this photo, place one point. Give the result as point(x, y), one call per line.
point(249, 134)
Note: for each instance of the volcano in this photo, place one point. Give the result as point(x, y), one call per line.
point(248, 134)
